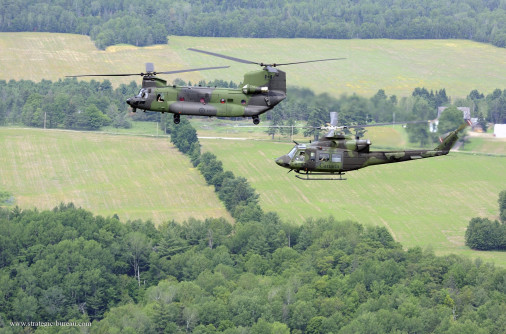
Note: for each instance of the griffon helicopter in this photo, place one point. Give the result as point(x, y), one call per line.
point(337, 153)
point(261, 91)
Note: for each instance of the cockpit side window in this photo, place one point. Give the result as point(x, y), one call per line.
point(292, 152)
point(143, 93)
point(300, 156)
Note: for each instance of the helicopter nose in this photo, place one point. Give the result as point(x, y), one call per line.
point(132, 101)
point(283, 161)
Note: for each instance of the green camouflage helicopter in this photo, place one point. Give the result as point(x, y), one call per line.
point(337, 153)
point(261, 91)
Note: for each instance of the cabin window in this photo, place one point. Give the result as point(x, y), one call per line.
point(323, 157)
point(243, 102)
point(336, 157)
point(230, 100)
point(300, 156)
point(202, 100)
point(159, 98)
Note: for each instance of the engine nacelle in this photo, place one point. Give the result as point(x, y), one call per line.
point(250, 89)
point(359, 145)
point(363, 145)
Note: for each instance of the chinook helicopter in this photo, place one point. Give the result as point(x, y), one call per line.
point(337, 153)
point(261, 91)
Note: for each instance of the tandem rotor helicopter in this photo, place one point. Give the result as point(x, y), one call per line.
point(262, 90)
point(337, 153)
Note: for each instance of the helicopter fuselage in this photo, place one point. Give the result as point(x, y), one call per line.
point(338, 155)
point(261, 92)
point(315, 158)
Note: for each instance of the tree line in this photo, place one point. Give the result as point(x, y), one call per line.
point(484, 234)
point(72, 104)
point(65, 104)
point(208, 276)
point(146, 23)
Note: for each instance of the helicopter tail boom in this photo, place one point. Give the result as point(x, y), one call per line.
point(450, 140)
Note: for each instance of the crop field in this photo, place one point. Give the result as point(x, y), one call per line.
point(426, 203)
point(134, 177)
point(397, 66)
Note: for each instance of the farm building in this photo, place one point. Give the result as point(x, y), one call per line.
point(500, 130)
point(466, 113)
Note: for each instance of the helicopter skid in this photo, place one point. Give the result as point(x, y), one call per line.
point(307, 176)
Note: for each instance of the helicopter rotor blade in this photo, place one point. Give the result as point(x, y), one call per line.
point(192, 70)
point(147, 72)
point(244, 61)
point(307, 61)
point(103, 75)
point(239, 60)
point(383, 124)
point(333, 118)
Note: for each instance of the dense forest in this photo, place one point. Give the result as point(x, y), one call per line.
point(268, 276)
point(73, 104)
point(145, 23)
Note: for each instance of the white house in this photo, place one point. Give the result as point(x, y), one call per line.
point(466, 113)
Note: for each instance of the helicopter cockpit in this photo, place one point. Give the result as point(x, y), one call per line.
point(143, 93)
point(297, 154)
point(139, 100)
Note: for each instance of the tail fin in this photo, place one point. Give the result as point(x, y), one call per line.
point(450, 140)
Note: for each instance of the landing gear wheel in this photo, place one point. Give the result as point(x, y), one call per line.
point(256, 120)
point(176, 119)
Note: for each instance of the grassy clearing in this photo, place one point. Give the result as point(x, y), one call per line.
point(427, 203)
point(398, 66)
point(135, 177)
point(486, 143)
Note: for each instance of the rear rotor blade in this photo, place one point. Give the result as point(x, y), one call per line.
point(309, 61)
point(239, 60)
point(192, 70)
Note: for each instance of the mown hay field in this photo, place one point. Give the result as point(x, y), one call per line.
point(397, 66)
point(134, 177)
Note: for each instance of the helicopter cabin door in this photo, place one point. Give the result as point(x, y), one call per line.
point(330, 161)
point(311, 158)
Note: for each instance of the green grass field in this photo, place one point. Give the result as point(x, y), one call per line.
point(135, 177)
point(398, 66)
point(427, 203)
point(487, 143)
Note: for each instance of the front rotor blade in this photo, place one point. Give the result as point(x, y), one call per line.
point(103, 75)
point(239, 60)
point(148, 73)
point(192, 70)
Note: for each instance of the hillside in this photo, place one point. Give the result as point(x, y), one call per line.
point(133, 177)
point(397, 66)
